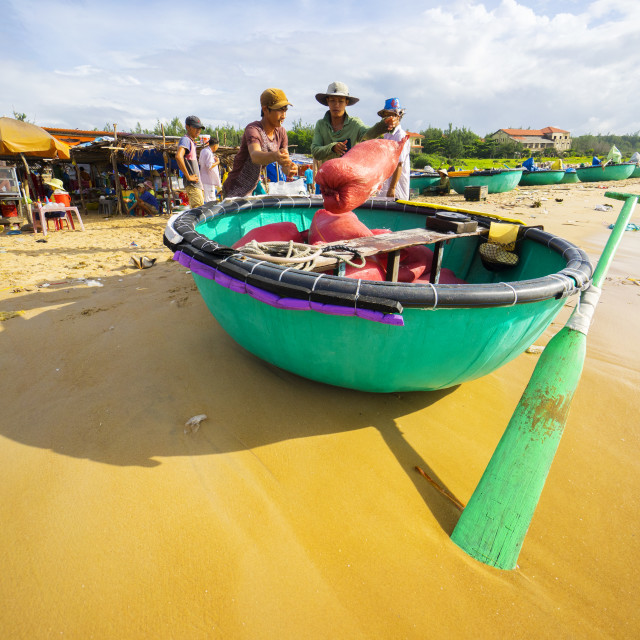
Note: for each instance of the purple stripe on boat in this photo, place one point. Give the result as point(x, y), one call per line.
point(182, 258)
point(377, 316)
point(263, 296)
point(294, 304)
point(275, 300)
point(393, 318)
point(368, 314)
point(222, 279)
point(333, 309)
point(203, 270)
point(237, 285)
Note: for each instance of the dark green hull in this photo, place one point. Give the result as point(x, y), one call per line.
point(570, 177)
point(602, 173)
point(419, 183)
point(497, 182)
point(543, 177)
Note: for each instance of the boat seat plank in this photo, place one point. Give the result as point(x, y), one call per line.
point(397, 240)
point(392, 243)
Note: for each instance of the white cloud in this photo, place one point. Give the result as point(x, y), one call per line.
point(480, 64)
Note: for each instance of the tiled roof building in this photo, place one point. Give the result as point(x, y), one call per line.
point(536, 139)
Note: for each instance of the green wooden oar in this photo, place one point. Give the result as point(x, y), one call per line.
point(494, 523)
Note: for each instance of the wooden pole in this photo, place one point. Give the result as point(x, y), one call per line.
point(167, 171)
point(26, 189)
point(77, 168)
point(116, 177)
point(494, 523)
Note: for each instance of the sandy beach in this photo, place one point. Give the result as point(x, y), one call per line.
point(295, 510)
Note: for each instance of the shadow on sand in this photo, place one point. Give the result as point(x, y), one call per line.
point(111, 374)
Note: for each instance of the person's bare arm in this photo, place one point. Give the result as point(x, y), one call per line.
point(391, 192)
point(183, 167)
point(281, 156)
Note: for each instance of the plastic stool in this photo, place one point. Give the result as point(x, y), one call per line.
point(106, 207)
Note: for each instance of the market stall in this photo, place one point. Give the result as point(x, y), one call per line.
point(22, 143)
point(120, 162)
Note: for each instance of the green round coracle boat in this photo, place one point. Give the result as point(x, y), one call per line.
point(541, 177)
point(601, 172)
point(421, 180)
point(570, 177)
point(636, 172)
point(376, 336)
point(496, 180)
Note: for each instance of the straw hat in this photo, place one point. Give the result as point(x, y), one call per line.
point(55, 183)
point(336, 89)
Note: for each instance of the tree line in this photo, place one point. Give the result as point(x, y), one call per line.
point(438, 145)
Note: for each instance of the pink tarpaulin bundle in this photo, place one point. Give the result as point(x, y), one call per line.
point(348, 181)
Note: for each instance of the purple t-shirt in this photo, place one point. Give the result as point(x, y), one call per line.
point(243, 177)
point(190, 160)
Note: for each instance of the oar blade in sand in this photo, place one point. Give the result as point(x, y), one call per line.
point(494, 523)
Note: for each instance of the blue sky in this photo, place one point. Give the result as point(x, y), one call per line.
point(483, 64)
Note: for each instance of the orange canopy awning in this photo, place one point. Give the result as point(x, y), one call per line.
point(18, 137)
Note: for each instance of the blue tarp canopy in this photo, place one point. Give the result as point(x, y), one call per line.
point(299, 158)
point(275, 176)
point(140, 168)
point(151, 156)
point(146, 161)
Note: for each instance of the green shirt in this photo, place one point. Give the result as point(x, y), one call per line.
point(324, 137)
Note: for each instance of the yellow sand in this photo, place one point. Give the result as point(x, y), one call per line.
point(295, 510)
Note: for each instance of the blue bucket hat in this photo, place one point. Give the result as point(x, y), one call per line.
point(391, 108)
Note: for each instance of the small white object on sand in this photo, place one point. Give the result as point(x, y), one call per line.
point(193, 424)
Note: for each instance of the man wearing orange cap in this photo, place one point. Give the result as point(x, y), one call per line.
point(263, 142)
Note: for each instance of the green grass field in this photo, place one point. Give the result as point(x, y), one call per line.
point(485, 163)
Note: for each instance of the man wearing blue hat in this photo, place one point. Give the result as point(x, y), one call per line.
point(397, 185)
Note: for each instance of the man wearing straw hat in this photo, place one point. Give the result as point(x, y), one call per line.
point(337, 131)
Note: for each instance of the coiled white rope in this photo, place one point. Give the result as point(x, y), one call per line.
point(296, 254)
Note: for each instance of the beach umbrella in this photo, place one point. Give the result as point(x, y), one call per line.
point(27, 139)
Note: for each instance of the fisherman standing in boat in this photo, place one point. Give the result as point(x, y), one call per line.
point(337, 131)
point(263, 142)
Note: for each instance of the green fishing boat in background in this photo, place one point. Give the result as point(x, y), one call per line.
point(421, 180)
point(541, 177)
point(605, 172)
point(496, 180)
point(570, 177)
